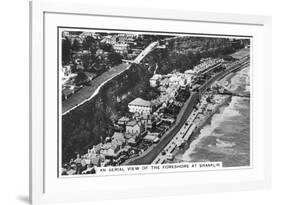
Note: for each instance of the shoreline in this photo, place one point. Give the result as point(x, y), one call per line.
point(180, 151)
point(196, 132)
point(140, 159)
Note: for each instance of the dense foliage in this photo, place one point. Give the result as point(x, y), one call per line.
point(89, 55)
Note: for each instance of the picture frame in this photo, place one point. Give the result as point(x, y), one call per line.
point(46, 184)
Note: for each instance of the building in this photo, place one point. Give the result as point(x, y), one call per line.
point(180, 79)
point(140, 106)
point(151, 138)
point(149, 122)
point(118, 139)
point(121, 48)
point(120, 125)
point(95, 160)
point(206, 65)
point(134, 132)
point(96, 148)
point(168, 120)
point(110, 151)
point(190, 72)
point(165, 82)
point(127, 37)
point(89, 34)
point(66, 70)
point(134, 128)
point(133, 140)
point(154, 81)
point(177, 79)
point(109, 39)
point(123, 120)
point(189, 79)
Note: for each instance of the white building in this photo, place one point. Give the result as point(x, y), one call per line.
point(134, 128)
point(121, 48)
point(177, 79)
point(154, 81)
point(190, 76)
point(127, 37)
point(66, 70)
point(190, 72)
point(66, 75)
point(151, 138)
point(140, 106)
point(118, 139)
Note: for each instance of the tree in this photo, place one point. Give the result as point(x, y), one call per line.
point(76, 45)
point(114, 58)
point(87, 43)
point(66, 51)
point(81, 78)
point(106, 47)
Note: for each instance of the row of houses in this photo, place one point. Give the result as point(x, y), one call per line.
point(175, 78)
point(133, 134)
point(206, 64)
point(130, 131)
point(120, 42)
point(169, 86)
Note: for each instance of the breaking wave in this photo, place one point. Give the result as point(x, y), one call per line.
point(227, 137)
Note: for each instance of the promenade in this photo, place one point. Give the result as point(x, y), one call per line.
point(149, 156)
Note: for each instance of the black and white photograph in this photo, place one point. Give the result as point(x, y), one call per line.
point(140, 102)
point(137, 98)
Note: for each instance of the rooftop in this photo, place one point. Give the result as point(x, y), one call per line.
point(132, 123)
point(140, 102)
point(151, 138)
point(124, 119)
point(156, 77)
point(118, 136)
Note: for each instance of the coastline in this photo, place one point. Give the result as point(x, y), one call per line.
point(179, 152)
point(190, 97)
point(206, 121)
point(229, 73)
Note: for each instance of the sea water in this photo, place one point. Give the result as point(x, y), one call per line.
point(227, 137)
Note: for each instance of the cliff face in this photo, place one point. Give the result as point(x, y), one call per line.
point(91, 122)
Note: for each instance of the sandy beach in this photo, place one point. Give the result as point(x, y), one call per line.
point(224, 134)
